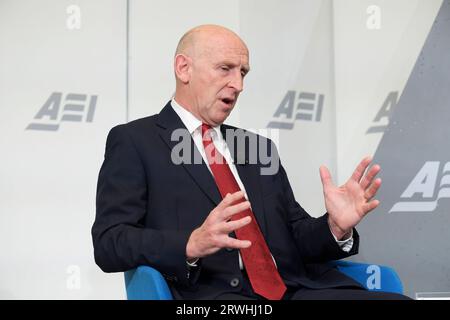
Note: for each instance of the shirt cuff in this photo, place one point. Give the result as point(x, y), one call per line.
point(347, 244)
point(193, 263)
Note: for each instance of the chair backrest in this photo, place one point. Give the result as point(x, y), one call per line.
point(146, 283)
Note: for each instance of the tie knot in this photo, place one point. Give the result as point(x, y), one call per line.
point(205, 131)
point(205, 127)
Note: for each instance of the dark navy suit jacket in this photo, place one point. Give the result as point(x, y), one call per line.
point(147, 207)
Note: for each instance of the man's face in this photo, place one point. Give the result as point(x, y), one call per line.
point(217, 76)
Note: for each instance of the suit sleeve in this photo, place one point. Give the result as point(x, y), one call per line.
point(313, 236)
point(121, 242)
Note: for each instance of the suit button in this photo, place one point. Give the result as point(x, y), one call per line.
point(234, 282)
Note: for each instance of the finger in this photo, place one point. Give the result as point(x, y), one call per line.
point(228, 212)
point(359, 171)
point(373, 189)
point(236, 243)
point(369, 176)
point(369, 206)
point(236, 224)
point(230, 198)
point(325, 177)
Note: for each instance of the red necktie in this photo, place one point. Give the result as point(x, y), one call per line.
point(261, 270)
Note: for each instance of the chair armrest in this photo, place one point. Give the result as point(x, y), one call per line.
point(146, 283)
point(373, 277)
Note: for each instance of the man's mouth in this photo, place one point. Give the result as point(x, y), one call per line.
point(228, 101)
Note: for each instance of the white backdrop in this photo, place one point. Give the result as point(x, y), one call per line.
point(48, 178)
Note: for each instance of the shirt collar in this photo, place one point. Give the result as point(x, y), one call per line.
point(189, 120)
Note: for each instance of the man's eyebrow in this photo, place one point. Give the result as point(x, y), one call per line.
point(246, 69)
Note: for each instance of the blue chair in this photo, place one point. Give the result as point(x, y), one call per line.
point(371, 276)
point(146, 283)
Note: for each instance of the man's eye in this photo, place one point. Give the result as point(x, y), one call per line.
point(225, 68)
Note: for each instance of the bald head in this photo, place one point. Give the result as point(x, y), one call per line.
point(210, 65)
point(200, 39)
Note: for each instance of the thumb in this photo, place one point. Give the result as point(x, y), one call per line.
point(325, 176)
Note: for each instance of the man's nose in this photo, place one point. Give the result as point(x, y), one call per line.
point(237, 81)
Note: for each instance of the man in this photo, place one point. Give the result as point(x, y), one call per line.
point(220, 229)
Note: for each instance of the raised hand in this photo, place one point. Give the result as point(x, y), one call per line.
point(213, 234)
point(348, 204)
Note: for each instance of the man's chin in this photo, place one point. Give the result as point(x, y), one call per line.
point(218, 120)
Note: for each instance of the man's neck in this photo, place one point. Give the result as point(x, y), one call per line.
point(184, 103)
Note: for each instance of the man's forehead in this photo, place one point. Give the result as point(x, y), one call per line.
point(221, 42)
point(231, 52)
point(231, 57)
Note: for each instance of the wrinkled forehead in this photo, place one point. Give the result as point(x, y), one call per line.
point(223, 47)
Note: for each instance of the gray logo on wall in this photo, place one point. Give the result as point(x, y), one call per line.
point(309, 108)
point(424, 186)
point(76, 108)
point(384, 113)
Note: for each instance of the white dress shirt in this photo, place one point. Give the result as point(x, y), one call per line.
point(194, 126)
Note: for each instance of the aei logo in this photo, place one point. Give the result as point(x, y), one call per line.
point(76, 108)
point(308, 108)
point(424, 191)
point(381, 121)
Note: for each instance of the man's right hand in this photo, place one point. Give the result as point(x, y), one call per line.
point(213, 234)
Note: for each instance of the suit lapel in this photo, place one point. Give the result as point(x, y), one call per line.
point(168, 121)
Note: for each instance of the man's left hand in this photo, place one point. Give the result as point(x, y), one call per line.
point(349, 203)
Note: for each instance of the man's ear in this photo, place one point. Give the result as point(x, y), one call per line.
point(182, 65)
